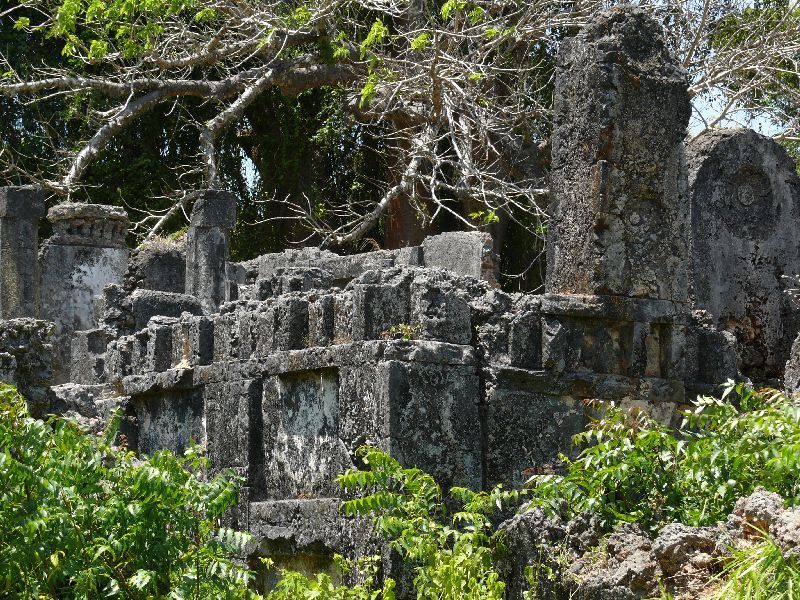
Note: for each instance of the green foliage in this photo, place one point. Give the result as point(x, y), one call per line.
point(403, 331)
point(421, 42)
point(485, 217)
point(637, 470)
point(81, 519)
point(376, 36)
point(452, 556)
point(294, 585)
point(132, 25)
point(760, 572)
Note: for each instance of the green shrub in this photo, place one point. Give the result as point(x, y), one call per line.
point(451, 555)
point(80, 519)
point(633, 469)
point(295, 586)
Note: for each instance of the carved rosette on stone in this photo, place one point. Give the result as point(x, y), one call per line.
point(745, 203)
point(20, 211)
point(213, 216)
point(616, 284)
point(86, 253)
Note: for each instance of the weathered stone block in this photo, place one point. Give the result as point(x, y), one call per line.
point(613, 335)
point(711, 357)
point(146, 304)
point(619, 208)
point(745, 201)
point(234, 429)
point(304, 535)
point(434, 422)
point(525, 341)
point(26, 360)
point(159, 344)
point(467, 253)
point(294, 279)
point(792, 374)
point(168, 420)
point(439, 312)
point(321, 321)
point(526, 431)
point(226, 338)
point(119, 360)
point(214, 208)
point(159, 265)
point(20, 211)
point(302, 449)
point(85, 254)
point(377, 307)
point(213, 214)
point(88, 356)
point(291, 323)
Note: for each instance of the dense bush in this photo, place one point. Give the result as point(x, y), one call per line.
point(80, 519)
point(451, 554)
point(633, 469)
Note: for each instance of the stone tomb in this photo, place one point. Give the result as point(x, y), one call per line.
point(745, 203)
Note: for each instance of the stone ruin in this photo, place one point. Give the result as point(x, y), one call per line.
point(666, 275)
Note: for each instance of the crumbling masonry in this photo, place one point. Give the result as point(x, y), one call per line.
point(667, 267)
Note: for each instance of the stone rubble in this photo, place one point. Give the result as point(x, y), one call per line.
point(633, 565)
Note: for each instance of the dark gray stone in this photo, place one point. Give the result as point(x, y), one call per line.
point(26, 360)
point(526, 432)
point(619, 209)
point(158, 265)
point(213, 215)
point(77, 224)
point(214, 208)
point(745, 199)
point(234, 430)
point(677, 544)
point(20, 211)
point(304, 535)
point(792, 372)
point(146, 304)
point(466, 253)
point(88, 356)
point(168, 420)
point(434, 422)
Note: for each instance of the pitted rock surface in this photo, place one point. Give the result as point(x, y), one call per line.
point(619, 210)
point(745, 203)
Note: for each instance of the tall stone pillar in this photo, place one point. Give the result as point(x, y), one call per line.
point(86, 253)
point(20, 211)
point(619, 203)
point(213, 216)
point(615, 308)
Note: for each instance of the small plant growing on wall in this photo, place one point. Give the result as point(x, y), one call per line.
point(403, 331)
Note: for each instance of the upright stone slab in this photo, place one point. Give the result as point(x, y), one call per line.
point(618, 206)
point(615, 310)
point(745, 203)
point(20, 211)
point(213, 216)
point(86, 253)
point(468, 253)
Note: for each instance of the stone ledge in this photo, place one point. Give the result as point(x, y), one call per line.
point(618, 308)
